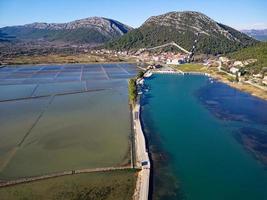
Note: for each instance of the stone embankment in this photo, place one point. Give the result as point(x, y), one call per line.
point(179, 72)
point(142, 157)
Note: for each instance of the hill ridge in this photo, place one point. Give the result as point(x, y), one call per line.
point(87, 30)
point(181, 27)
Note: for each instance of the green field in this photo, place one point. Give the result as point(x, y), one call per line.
point(116, 185)
point(191, 67)
point(77, 131)
point(258, 52)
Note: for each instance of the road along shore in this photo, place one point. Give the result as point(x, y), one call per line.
point(141, 159)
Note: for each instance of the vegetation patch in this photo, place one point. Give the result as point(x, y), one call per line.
point(150, 35)
point(190, 67)
point(132, 87)
point(132, 90)
point(258, 52)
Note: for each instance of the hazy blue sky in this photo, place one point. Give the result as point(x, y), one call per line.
point(237, 13)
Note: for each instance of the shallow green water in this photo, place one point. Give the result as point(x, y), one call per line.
point(75, 132)
point(61, 129)
point(199, 154)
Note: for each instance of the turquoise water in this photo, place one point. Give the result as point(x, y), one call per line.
point(196, 147)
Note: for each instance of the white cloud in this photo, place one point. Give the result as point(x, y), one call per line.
point(3, 25)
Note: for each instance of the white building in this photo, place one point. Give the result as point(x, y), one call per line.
point(224, 59)
point(234, 70)
point(264, 80)
point(155, 58)
point(175, 61)
point(238, 64)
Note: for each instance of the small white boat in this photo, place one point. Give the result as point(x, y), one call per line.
point(140, 81)
point(147, 74)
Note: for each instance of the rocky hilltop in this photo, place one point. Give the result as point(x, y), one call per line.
point(90, 30)
point(182, 27)
point(193, 21)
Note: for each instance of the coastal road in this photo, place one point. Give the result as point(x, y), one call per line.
point(142, 158)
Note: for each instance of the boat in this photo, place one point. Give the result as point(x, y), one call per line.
point(148, 74)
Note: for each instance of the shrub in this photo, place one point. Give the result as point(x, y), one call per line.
point(132, 91)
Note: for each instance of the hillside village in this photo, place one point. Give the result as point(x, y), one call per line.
point(235, 68)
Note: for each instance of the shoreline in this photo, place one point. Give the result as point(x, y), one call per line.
point(237, 86)
point(156, 103)
point(244, 87)
point(142, 187)
point(142, 160)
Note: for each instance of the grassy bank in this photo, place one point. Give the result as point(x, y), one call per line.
point(190, 67)
point(116, 185)
point(132, 91)
point(132, 88)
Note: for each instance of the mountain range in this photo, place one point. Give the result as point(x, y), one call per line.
point(257, 34)
point(94, 30)
point(180, 27)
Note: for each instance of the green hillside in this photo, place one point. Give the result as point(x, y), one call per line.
point(80, 35)
point(258, 52)
point(150, 36)
point(181, 27)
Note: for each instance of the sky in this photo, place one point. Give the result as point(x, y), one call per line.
point(240, 14)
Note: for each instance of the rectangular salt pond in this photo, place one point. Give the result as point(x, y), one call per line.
point(16, 119)
point(76, 131)
point(59, 88)
point(8, 92)
point(63, 132)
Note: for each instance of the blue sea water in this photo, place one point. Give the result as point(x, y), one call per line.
point(207, 140)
